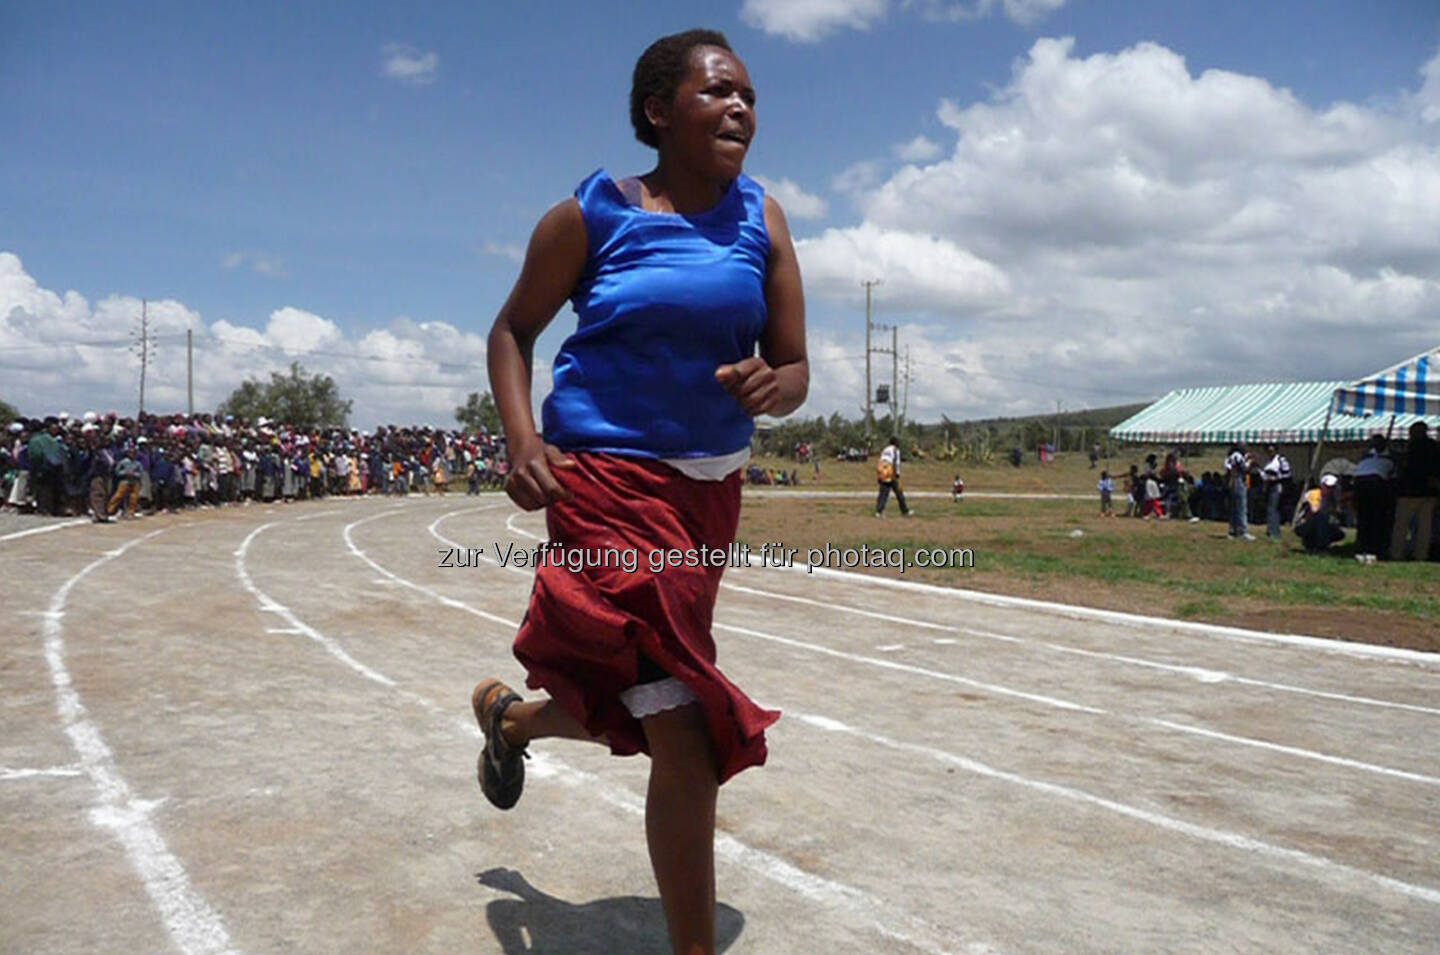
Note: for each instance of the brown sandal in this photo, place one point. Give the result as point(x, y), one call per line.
point(501, 768)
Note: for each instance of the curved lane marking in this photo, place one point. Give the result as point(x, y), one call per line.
point(194, 926)
point(875, 913)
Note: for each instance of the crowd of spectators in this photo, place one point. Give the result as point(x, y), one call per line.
point(1164, 491)
point(1391, 501)
point(103, 465)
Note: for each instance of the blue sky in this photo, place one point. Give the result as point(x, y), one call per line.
point(1084, 201)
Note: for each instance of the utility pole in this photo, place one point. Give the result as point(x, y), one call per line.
point(143, 346)
point(1056, 441)
point(190, 371)
point(905, 405)
point(895, 379)
point(869, 388)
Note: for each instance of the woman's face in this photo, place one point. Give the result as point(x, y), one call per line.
point(711, 121)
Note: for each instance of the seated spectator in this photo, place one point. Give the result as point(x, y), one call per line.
point(1317, 516)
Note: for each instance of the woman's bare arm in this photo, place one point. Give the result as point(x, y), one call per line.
point(777, 381)
point(553, 263)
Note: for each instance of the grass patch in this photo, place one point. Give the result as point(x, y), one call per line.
point(1190, 609)
point(1193, 571)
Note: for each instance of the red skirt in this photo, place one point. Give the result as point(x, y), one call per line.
point(585, 629)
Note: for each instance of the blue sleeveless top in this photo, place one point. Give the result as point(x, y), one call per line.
point(664, 299)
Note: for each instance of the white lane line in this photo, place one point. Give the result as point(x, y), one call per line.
point(886, 664)
point(270, 606)
point(193, 925)
point(1204, 675)
point(1211, 676)
point(311, 517)
point(872, 912)
point(1055, 702)
point(479, 552)
point(1234, 840)
point(47, 528)
point(8, 774)
point(1296, 751)
point(1193, 830)
point(1122, 717)
point(1362, 651)
point(432, 594)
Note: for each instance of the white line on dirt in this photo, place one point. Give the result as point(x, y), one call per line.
point(311, 517)
point(47, 528)
point(872, 912)
point(1296, 751)
point(270, 606)
point(432, 594)
point(8, 775)
point(1063, 704)
point(1073, 611)
point(1339, 647)
point(1205, 833)
point(1211, 676)
point(1202, 674)
point(193, 925)
point(1055, 702)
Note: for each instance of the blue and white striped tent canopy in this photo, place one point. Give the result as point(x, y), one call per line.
point(1409, 388)
point(1283, 412)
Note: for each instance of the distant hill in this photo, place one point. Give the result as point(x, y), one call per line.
point(1092, 418)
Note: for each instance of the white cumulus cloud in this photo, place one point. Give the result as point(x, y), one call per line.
point(920, 272)
point(400, 61)
point(808, 21)
point(919, 149)
point(1105, 228)
point(1020, 11)
point(60, 353)
point(797, 203)
point(259, 262)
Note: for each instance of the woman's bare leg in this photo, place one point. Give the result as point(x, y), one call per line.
point(532, 719)
point(680, 825)
point(541, 719)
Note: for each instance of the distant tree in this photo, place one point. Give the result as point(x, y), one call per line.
point(7, 414)
point(306, 401)
point(478, 412)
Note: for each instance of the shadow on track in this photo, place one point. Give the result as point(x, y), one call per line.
point(534, 923)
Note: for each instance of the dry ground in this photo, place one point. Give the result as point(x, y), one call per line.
point(247, 731)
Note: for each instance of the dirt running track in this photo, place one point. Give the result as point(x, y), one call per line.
point(249, 732)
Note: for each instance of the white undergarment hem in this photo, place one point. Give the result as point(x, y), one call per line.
point(647, 699)
point(716, 468)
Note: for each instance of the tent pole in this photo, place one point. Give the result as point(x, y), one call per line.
point(1315, 455)
point(1390, 430)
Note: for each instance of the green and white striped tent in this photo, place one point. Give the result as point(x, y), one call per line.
point(1283, 412)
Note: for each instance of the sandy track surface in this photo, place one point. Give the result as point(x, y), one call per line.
point(249, 731)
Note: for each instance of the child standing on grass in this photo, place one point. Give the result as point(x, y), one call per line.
point(1106, 487)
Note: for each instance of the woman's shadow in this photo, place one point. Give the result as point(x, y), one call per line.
point(534, 923)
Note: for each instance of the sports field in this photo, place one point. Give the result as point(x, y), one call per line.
point(248, 730)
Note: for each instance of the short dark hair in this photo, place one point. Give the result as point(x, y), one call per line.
point(658, 73)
